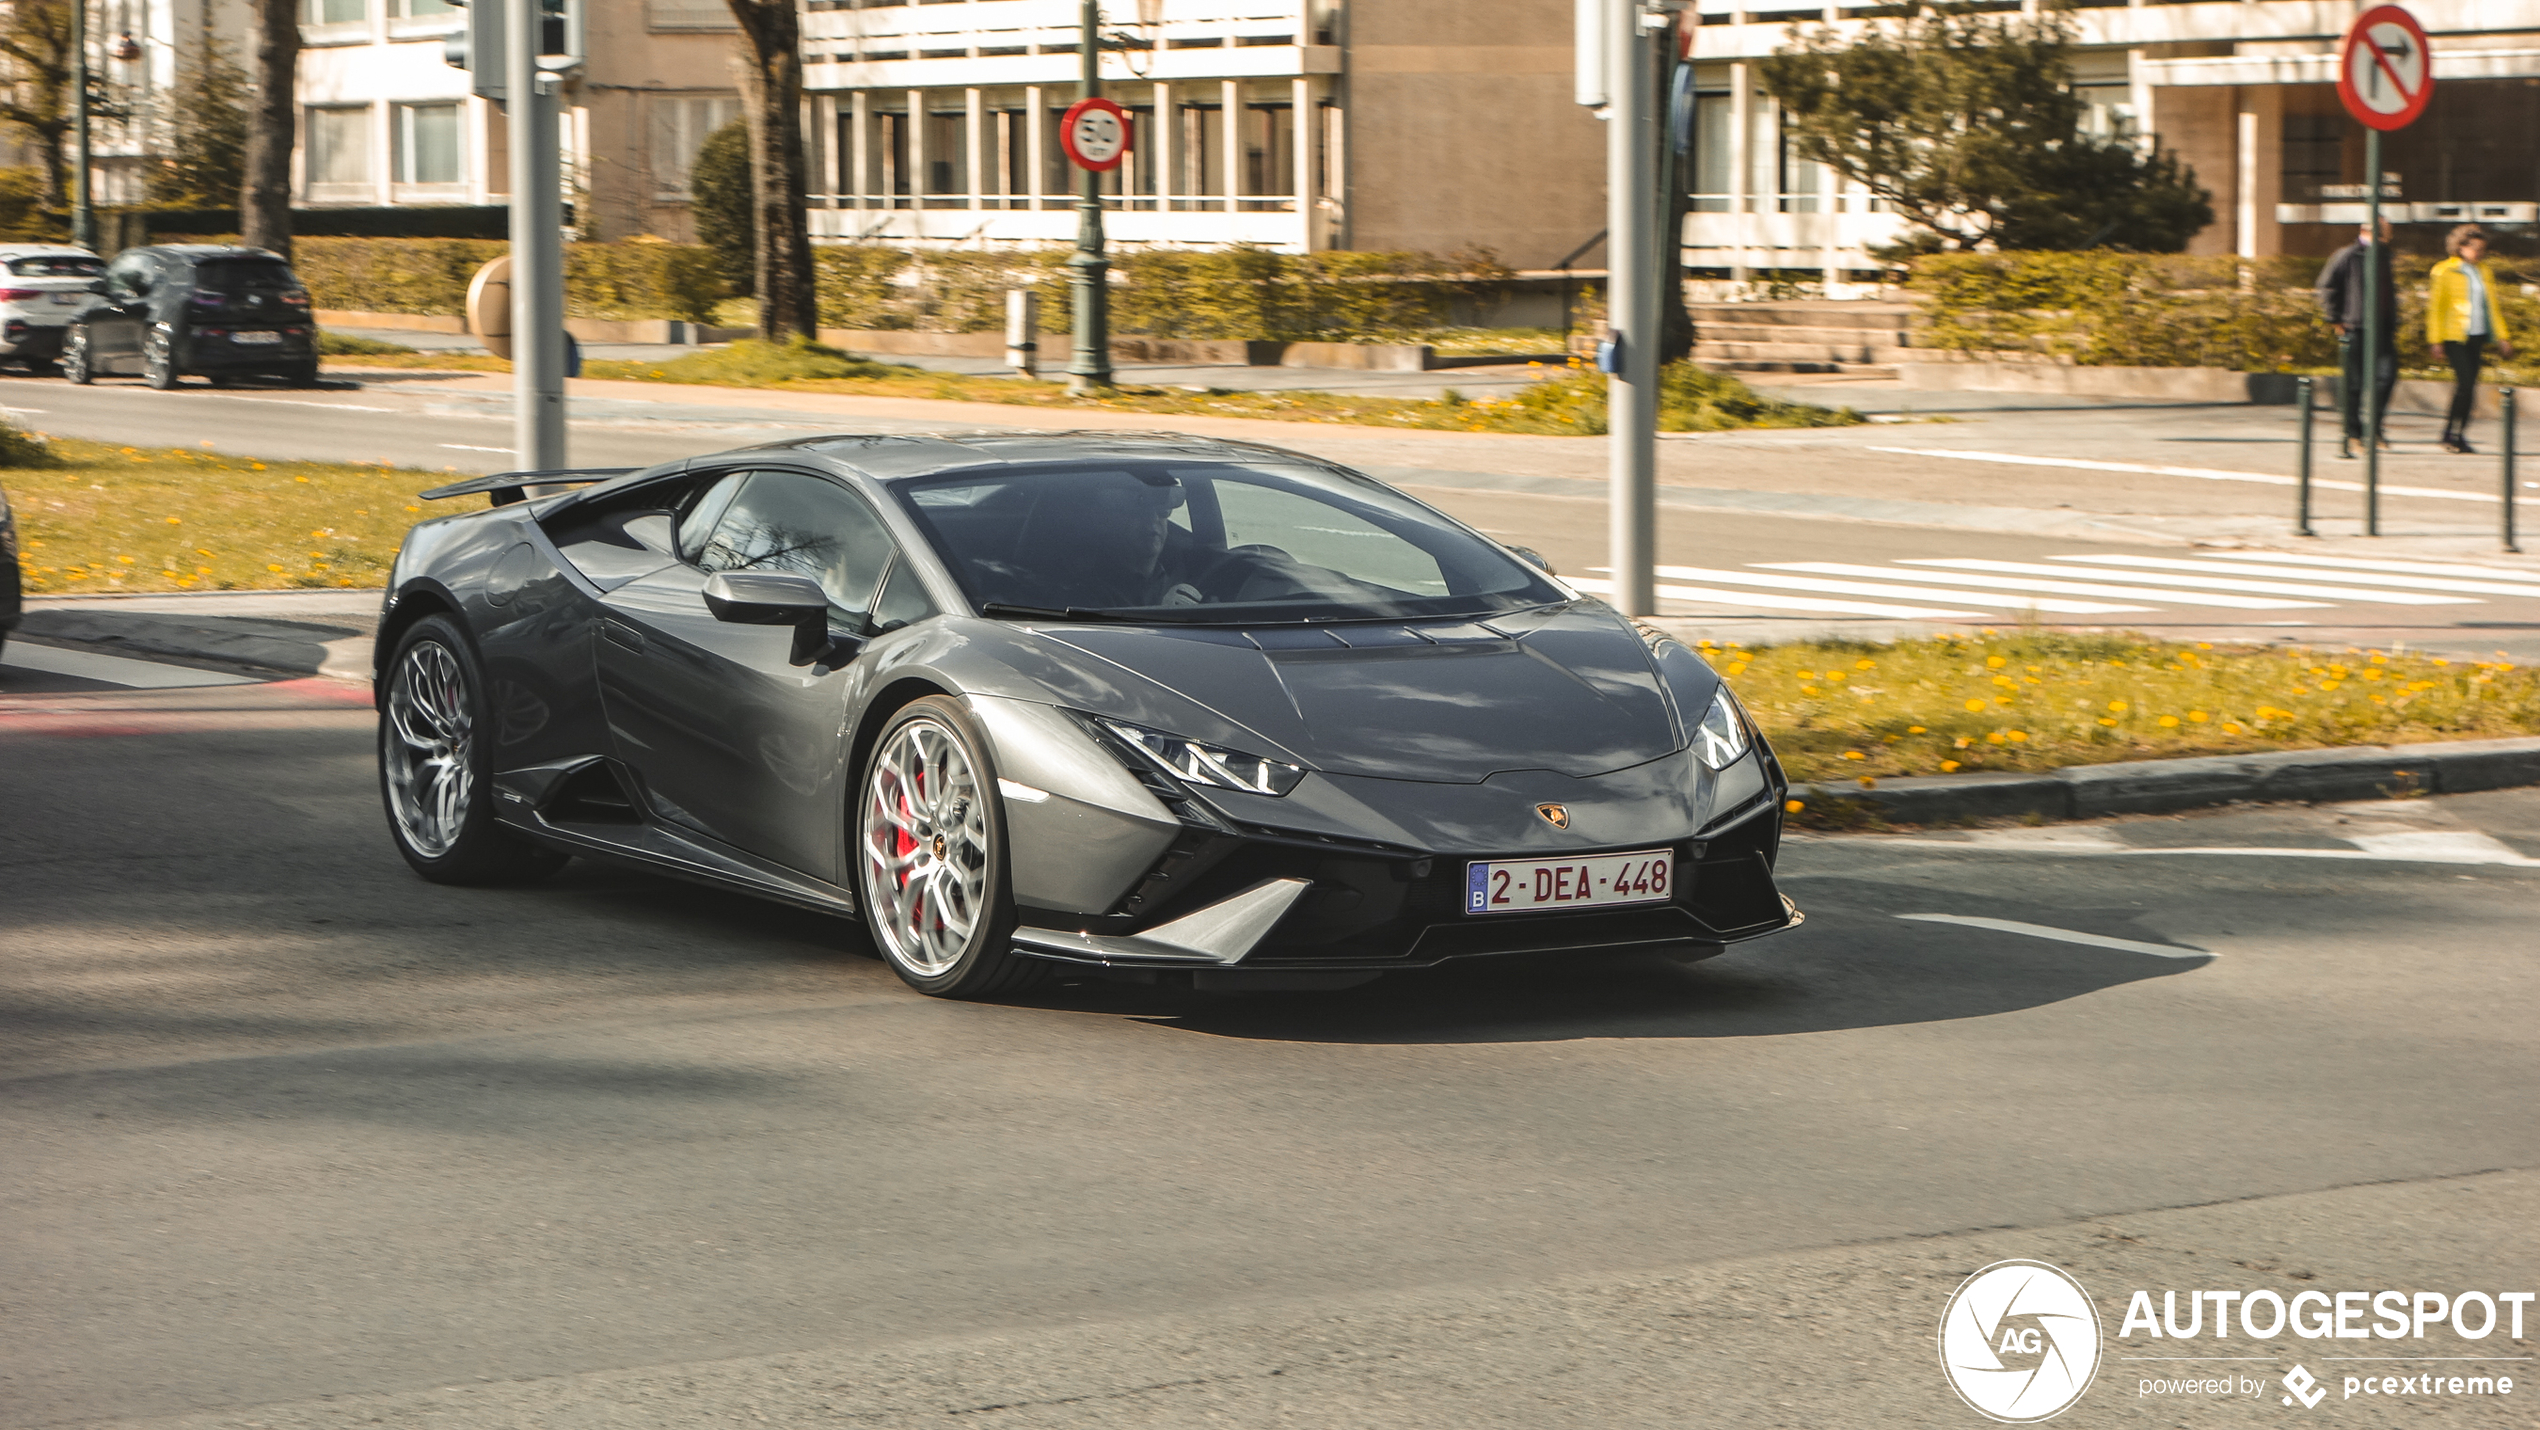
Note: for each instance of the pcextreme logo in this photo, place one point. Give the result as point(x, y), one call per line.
point(2019, 1342)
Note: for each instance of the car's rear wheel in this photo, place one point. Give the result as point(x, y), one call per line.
point(433, 771)
point(301, 375)
point(931, 856)
point(158, 361)
point(77, 365)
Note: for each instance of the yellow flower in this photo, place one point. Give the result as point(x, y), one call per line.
point(1964, 742)
point(269, 566)
point(2015, 736)
point(1994, 739)
point(2204, 645)
point(1807, 690)
point(2231, 727)
point(256, 466)
point(202, 570)
point(2116, 707)
point(299, 479)
point(2198, 716)
point(1995, 662)
point(1865, 665)
point(2169, 722)
point(172, 521)
point(1975, 705)
point(1948, 765)
point(1793, 806)
point(1737, 667)
point(1854, 755)
point(2104, 720)
point(125, 560)
point(1913, 729)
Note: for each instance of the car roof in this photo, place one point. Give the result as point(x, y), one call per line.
point(44, 250)
point(900, 456)
point(208, 250)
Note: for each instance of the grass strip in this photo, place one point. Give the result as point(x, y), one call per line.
point(94, 517)
point(2033, 700)
point(1567, 400)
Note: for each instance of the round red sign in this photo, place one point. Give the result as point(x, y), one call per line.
point(2385, 70)
point(1095, 134)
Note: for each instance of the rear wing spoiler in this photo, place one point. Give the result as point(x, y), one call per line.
point(509, 487)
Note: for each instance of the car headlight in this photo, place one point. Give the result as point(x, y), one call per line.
point(1720, 740)
point(1210, 765)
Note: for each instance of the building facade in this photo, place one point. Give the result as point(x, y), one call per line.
point(386, 121)
point(2244, 90)
point(1297, 125)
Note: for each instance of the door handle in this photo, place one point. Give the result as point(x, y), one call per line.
point(623, 634)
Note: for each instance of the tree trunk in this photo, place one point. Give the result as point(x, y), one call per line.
point(264, 198)
point(772, 95)
point(1675, 201)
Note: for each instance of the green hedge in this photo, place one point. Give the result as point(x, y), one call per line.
point(2105, 309)
point(430, 276)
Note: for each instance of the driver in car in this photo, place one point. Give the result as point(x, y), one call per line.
point(1108, 540)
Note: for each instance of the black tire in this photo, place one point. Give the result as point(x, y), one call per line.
point(77, 366)
point(304, 375)
point(963, 861)
point(431, 706)
point(158, 360)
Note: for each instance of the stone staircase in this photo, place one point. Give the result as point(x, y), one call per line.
point(1805, 336)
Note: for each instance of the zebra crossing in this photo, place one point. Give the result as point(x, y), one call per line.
point(1969, 588)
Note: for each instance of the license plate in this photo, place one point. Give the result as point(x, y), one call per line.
point(1510, 886)
point(255, 337)
point(69, 300)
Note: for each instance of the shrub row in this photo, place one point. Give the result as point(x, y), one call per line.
point(2107, 309)
point(1230, 293)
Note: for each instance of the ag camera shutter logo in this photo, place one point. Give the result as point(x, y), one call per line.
point(2019, 1342)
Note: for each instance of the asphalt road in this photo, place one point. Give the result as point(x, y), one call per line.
point(299, 1140)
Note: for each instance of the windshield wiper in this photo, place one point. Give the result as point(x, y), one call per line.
point(1009, 611)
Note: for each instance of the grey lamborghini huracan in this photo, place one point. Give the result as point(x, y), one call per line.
point(1019, 701)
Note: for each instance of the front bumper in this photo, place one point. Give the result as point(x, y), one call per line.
point(1327, 904)
point(31, 340)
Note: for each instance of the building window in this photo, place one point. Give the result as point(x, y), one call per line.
point(338, 148)
point(1712, 115)
point(339, 12)
point(428, 148)
point(680, 128)
point(424, 9)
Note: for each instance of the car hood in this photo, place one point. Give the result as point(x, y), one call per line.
point(1571, 690)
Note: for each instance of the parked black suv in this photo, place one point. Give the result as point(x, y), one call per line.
point(179, 308)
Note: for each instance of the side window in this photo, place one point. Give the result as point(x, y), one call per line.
point(704, 512)
point(799, 524)
point(904, 601)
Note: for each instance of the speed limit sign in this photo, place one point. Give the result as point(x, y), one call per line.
point(1095, 134)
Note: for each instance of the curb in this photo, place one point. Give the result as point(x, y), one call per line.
point(339, 652)
point(2167, 786)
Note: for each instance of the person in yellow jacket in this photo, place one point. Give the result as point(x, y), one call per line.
point(2461, 319)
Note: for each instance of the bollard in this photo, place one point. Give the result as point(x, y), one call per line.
point(1023, 331)
point(2302, 502)
point(2505, 441)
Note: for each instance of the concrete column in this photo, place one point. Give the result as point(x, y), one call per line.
point(1741, 127)
point(1301, 136)
point(2244, 176)
point(1034, 156)
point(974, 176)
point(2262, 168)
point(1231, 132)
point(916, 160)
point(859, 164)
point(1161, 139)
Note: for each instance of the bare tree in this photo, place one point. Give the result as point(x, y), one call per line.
point(771, 73)
point(35, 35)
point(264, 198)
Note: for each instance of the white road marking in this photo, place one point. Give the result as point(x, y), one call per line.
point(2166, 580)
point(2398, 847)
point(2438, 846)
point(1867, 588)
point(113, 669)
point(2207, 474)
point(463, 447)
point(2065, 587)
point(2338, 579)
point(1751, 601)
point(2090, 940)
point(2358, 563)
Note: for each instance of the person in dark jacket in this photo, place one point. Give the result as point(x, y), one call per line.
point(2341, 296)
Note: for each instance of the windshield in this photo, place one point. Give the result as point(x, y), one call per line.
point(1212, 543)
point(57, 265)
point(236, 275)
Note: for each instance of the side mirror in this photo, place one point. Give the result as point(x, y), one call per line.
point(1535, 557)
point(97, 286)
point(768, 598)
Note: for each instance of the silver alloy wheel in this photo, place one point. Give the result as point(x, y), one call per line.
point(158, 361)
point(925, 848)
point(75, 355)
point(430, 776)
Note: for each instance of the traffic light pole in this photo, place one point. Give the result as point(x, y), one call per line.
point(1089, 271)
point(2374, 337)
point(537, 232)
point(1632, 308)
point(83, 206)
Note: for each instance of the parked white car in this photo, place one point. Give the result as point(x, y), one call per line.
point(42, 287)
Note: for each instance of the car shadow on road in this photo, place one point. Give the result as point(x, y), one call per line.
point(1850, 966)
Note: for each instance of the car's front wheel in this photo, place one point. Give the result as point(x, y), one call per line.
point(433, 770)
point(158, 361)
point(931, 856)
point(77, 364)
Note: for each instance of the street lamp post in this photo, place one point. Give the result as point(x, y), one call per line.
point(83, 211)
point(1089, 272)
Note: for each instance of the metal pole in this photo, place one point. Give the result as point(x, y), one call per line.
point(2302, 505)
point(1631, 391)
point(1089, 272)
point(2374, 337)
point(2505, 440)
point(83, 209)
point(537, 222)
